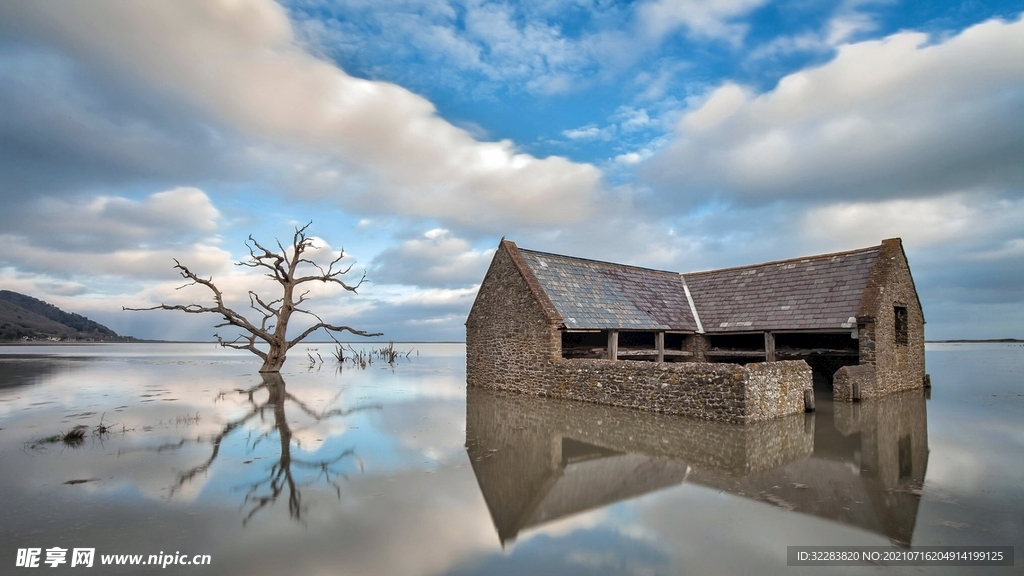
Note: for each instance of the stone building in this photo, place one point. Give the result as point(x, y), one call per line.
point(737, 344)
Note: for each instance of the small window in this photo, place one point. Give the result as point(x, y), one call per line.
point(900, 315)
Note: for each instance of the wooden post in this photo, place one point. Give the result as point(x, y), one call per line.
point(659, 344)
point(769, 347)
point(808, 400)
point(613, 344)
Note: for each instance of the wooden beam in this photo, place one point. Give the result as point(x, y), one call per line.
point(659, 344)
point(769, 347)
point(634, 352)
point(717, 353)
point(818, 331)
point(613, 344)
point(801, 352)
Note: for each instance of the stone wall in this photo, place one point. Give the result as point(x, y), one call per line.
point(897, 366)
point(712, 391)
point(866, 340)
point(698, 345)
point(847, 377)
point(510, 336)
point(709, 391)
point(775, 389)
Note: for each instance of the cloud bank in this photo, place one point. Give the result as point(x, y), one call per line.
point(897, 117)
point(372, 146)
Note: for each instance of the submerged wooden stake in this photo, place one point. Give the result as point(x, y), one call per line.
point(808, 400)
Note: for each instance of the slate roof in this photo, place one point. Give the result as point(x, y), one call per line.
point(816, 292)
point(600, 295)
point(811, 293)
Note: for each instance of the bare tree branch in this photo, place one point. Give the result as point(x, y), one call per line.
point(271, 327)
point(329, 327)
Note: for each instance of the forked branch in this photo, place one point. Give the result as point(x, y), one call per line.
point(286, 267)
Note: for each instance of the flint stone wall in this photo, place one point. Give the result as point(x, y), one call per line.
point(510, 337)
point(722, 392)
point(895, 367)
point(849, 376)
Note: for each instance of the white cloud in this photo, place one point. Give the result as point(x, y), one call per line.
point(442, 296)
point(492, 41)
point(103, 222)
point(438, 259)
point(255, 78)
point(136, 263)
point(1012, 248)
point(895, 117)
point(655, 84)
point(112, 235)
point(631, 119)
point(530, 49)
point(631, 158)
point(843, 27)
point(702, 18)
point(922, 222)
point(590, 132)
point(719, 106)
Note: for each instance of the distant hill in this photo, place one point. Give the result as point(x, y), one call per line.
point(24, 317)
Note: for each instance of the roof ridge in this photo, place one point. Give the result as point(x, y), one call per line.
point(604, 262)
point(786, 260)
point(771, 262)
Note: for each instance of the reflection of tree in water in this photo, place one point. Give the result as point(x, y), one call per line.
point(281, 476)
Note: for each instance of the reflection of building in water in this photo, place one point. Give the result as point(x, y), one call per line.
point(537, 460)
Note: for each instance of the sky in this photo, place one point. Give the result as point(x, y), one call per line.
point(414, 134)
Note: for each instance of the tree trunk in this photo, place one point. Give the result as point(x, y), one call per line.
point(279, 340)
point(275, 358)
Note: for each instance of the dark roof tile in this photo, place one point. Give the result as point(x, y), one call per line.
point(599, 295)
point(817, 292)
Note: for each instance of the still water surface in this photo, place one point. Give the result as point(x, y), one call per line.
point(397, 470)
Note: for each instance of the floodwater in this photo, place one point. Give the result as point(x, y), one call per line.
point(397, 470)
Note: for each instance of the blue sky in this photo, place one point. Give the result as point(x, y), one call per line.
point(675, 134)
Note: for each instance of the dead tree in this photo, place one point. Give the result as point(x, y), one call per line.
point(272, 327)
